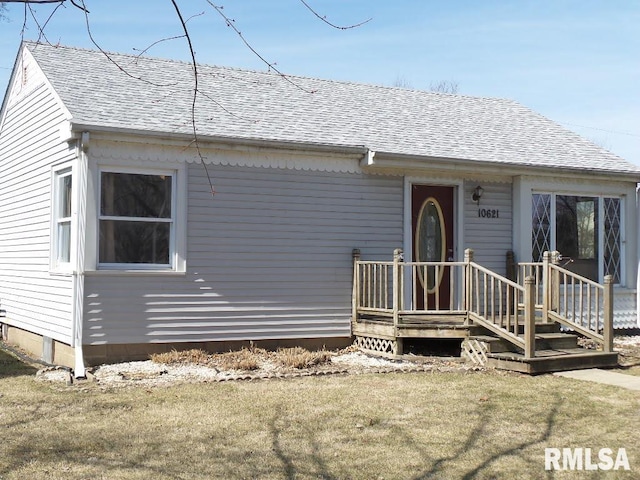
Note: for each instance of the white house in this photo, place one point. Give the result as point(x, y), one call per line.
point(112, 245)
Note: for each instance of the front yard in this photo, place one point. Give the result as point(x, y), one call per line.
point(430, 424)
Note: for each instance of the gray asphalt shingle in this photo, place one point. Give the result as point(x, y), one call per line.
point(264, 106)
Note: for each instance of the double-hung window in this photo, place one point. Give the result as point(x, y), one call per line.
point(61, 231)
point(586, 230)
point(137, 220)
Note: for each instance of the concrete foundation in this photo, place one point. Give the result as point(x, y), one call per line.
point(62, 354)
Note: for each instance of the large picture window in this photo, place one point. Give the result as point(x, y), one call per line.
point(580, 228)
point(136, 221)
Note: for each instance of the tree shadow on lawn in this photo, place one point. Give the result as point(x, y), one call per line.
point(11, 366)
point(289, 470)
point(475, 439)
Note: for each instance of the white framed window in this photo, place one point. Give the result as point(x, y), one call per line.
point(61, 219)
point(586, 229)
point(137, 220)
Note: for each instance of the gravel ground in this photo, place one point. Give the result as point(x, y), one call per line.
point(149, 373)
point(350, 361)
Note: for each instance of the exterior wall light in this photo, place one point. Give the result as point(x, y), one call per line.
point(477, 194)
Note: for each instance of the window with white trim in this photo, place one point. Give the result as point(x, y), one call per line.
point(580, 228)
point(61, 244)
point(136, 220)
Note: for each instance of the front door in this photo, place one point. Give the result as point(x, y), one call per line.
point(432, 227)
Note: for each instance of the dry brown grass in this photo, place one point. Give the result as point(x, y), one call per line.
point(479, 425)
point(248, 359)
point(298, 357)
point(199, 357)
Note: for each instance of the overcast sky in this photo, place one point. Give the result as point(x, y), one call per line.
point(576, 62)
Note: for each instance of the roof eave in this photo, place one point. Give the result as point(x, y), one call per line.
point(381, 161)
point(350, 150)
point(374, 161)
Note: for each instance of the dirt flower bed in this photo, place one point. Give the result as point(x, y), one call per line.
point(192, 366)
point(251, 364)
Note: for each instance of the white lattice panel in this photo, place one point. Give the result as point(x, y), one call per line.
point(380, 345)
point(475, 351)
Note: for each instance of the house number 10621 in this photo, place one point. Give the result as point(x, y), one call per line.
point(488, 213)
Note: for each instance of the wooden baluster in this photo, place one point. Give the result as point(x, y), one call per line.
point(547, 286)
point(436, 283)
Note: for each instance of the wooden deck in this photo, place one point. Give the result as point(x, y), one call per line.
point(497, 321)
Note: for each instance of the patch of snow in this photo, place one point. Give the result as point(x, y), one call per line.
point(362, 360)
point(53, 374)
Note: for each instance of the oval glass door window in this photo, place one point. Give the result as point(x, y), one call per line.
point(430, 243)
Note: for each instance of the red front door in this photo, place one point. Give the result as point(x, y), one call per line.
point(432, 227)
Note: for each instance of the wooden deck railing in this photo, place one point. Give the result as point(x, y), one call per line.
point(574, 301)
point(503, 306)
point(535, 270)
point(380, 287)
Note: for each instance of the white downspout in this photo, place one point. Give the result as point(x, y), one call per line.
point(80, 202)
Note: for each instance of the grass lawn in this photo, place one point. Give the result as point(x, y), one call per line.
point(383, 426)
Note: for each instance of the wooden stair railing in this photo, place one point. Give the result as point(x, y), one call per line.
point(578, 303)
point(507, 308)
point(502, 306)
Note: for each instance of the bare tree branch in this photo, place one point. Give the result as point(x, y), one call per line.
point(444, 86)
point(176, 37)
point(38, 2)
point(110, 58)
point(41, 32)
point(80, 4)
point(149, 47)
point(194, 65)
point(272, 66)
point(324, 19)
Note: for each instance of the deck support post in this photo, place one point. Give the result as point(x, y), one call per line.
point(529, 317)
point(467, 282)
point(546, 286)
point(607, 329)
point(355, 295)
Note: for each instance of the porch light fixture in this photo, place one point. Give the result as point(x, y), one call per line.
point(477, 194)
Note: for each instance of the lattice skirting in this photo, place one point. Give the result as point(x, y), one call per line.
point(475, 350)
point(377, 345)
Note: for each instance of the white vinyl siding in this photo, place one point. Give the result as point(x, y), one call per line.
point(33, 298)
point(269, 257)
point(489, 233)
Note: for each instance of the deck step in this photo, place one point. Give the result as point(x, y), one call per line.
point(555, 360)
point(544, 341)
point(556, 340)
point(493, 344)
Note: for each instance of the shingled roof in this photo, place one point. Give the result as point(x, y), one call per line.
point(155, 95)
